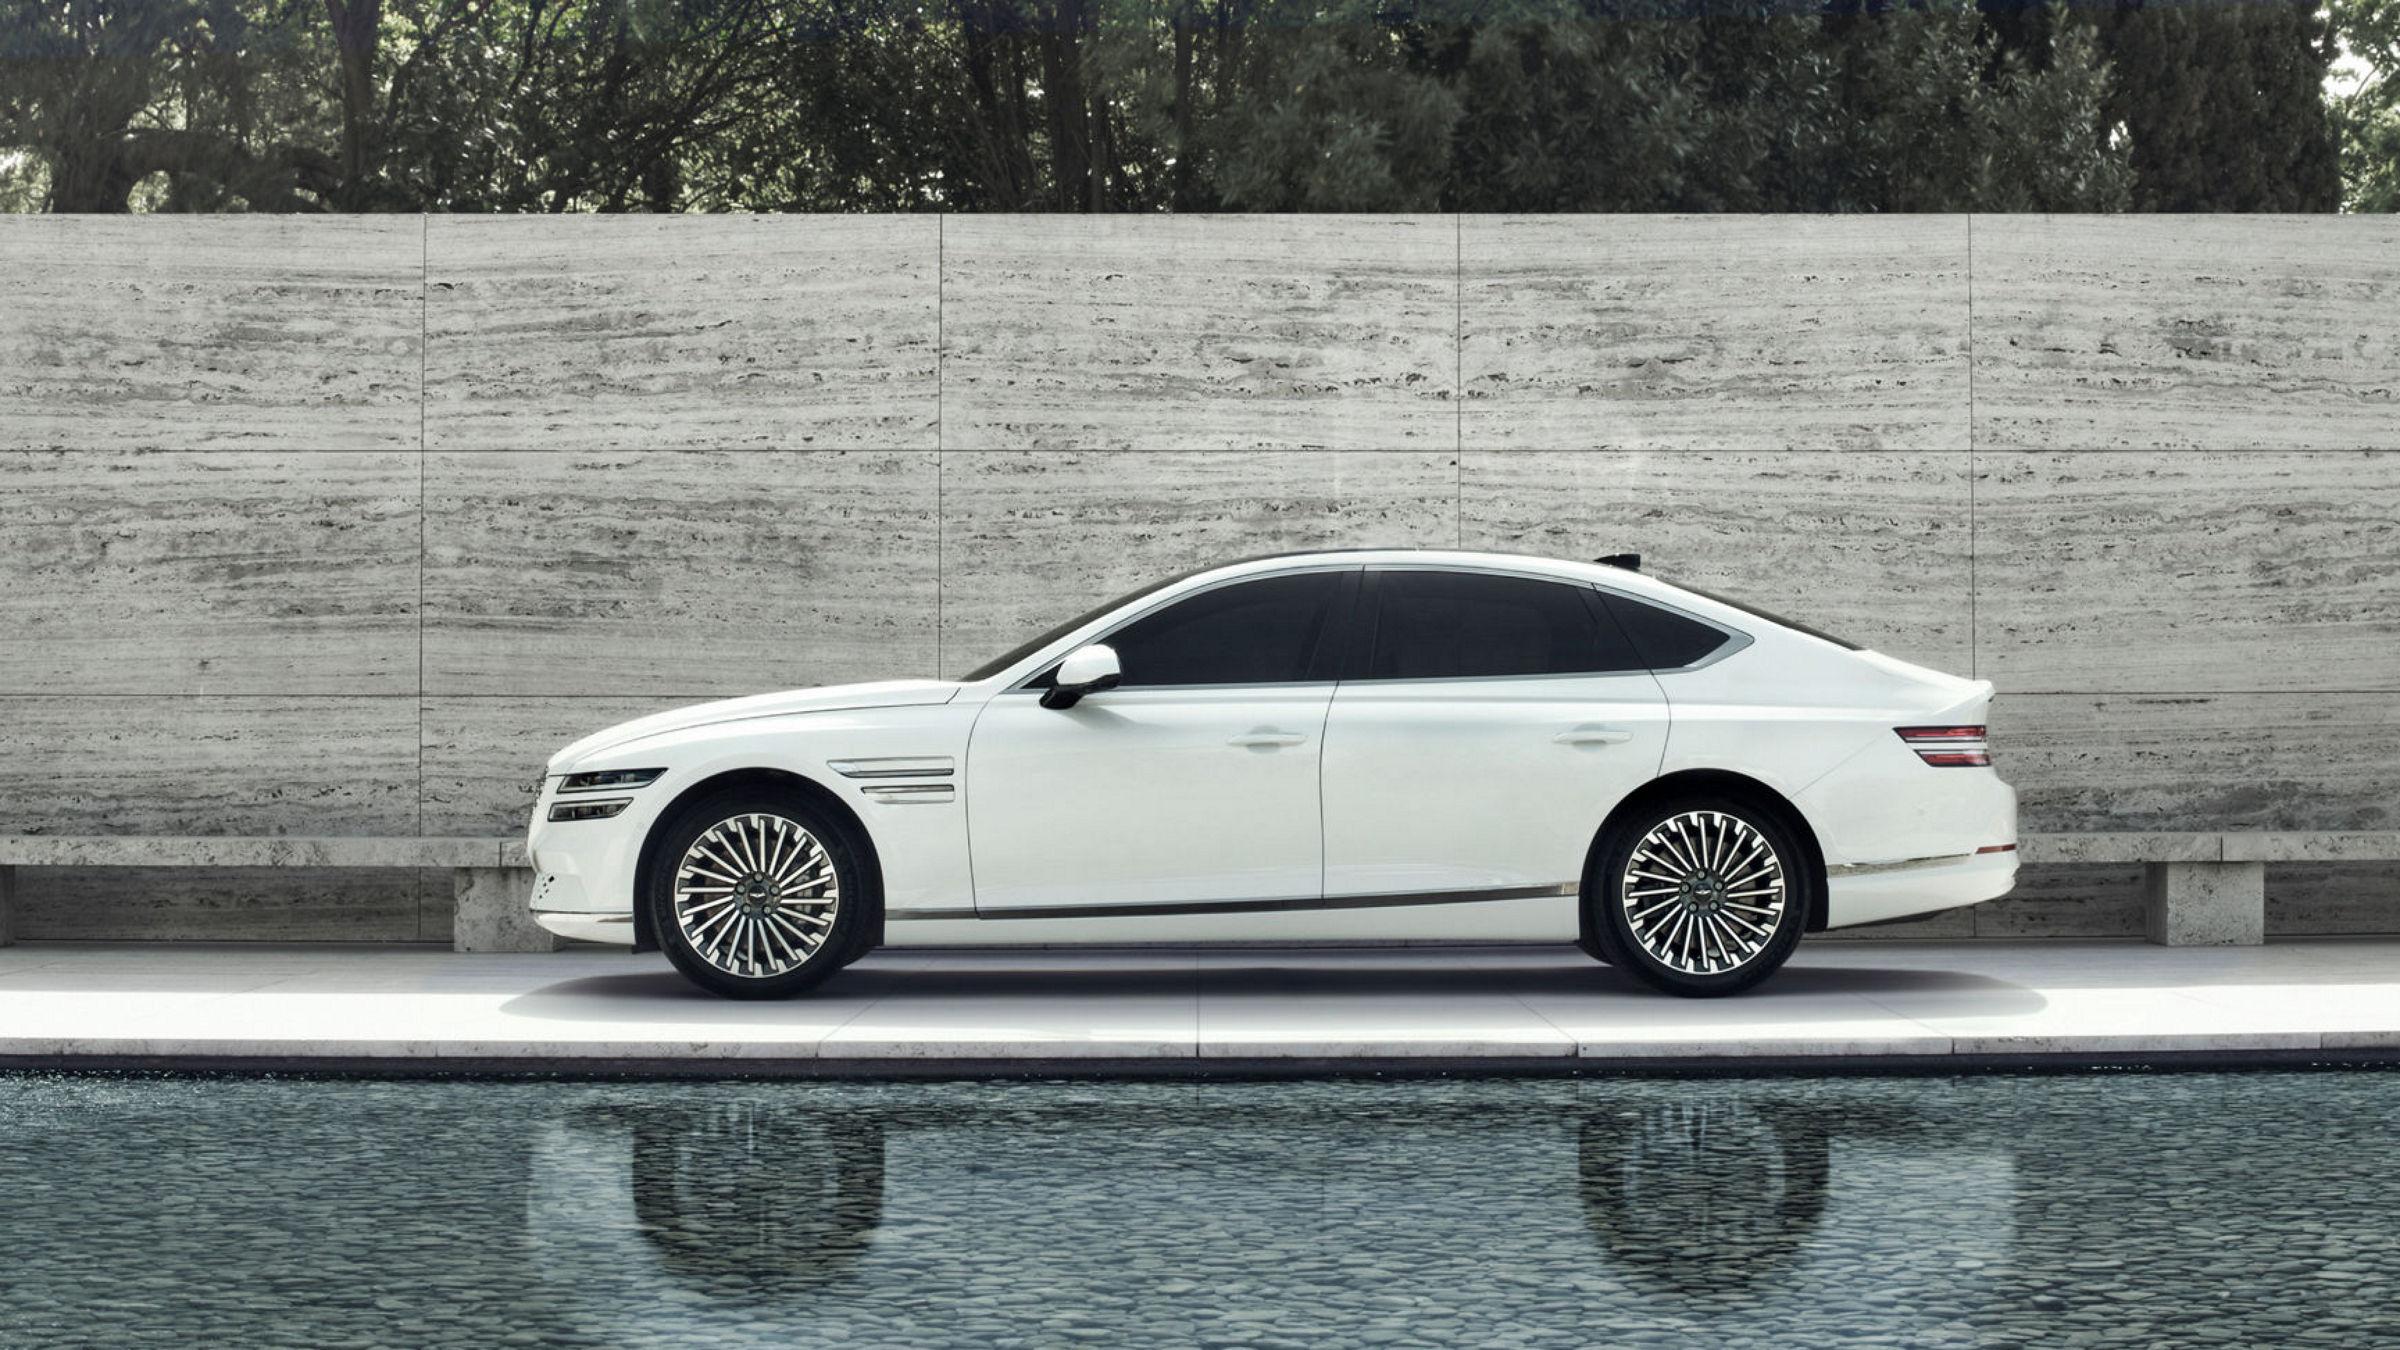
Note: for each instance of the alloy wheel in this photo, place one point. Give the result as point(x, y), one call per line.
point(756, 895)
point(1704, 892)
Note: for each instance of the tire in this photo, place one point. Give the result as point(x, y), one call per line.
point(792, 876)
point(1665, 912)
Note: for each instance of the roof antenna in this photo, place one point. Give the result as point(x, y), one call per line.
point(1631, 562)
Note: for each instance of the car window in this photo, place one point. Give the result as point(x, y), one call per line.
point(1251, 632)
point(1665, 639)
point(1458, 625)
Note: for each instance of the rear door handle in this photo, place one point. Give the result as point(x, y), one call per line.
point(1590, 735)
point(1267, 736)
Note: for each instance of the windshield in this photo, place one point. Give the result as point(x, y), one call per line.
point(1000, 663)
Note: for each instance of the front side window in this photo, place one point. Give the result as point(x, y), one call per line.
point(1251, 632)
point(1462, 625)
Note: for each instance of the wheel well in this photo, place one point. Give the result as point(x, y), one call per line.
point(1720, 783)
point(781, 780)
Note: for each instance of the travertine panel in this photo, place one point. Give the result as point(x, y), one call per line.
point(1871, 547)
point(1714, 332)
point(660, 332)
point(2192, 570)
point(2310, 898)
point(1199, 332)
point(229, 904)
point(210, 332)
point(2236, 332)
point(131, 572)
point(154, 765)
point(1031, 539)
point(690, 573)
point(483, 757)
point(2073, 900)
point(2200, 761)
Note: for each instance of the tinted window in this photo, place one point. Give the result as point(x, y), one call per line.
point(1457, 625)
point(1252, 632)
point(1665, 639)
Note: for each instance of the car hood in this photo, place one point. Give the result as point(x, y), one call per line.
point(830, 698)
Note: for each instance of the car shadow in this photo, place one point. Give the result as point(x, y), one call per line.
point(1811, 993)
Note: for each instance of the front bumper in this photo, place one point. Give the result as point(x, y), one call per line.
point(614, 929)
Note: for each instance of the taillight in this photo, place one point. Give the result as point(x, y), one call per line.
point(1948, 747)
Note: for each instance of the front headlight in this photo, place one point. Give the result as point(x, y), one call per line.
point(608, 780)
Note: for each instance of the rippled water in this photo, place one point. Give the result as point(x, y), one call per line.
point(2152, 1211)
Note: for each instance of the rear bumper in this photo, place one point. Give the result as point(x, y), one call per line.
point(1873, 893)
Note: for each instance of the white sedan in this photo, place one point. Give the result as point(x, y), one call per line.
point(1360, 745)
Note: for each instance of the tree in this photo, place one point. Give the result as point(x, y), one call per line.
point(2366, 113)
point(2223, 104)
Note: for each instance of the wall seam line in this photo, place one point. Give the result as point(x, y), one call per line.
point(1974, 630)
point(1458, 380)
point(941, 282)
point(424, 301)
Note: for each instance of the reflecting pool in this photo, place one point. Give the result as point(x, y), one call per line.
point(2138, 1210)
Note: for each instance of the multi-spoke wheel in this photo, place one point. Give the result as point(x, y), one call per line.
point(755, 895)
point(1699, 897)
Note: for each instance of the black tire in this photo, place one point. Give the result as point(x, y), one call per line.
point(795, 874)
point(1698, 927)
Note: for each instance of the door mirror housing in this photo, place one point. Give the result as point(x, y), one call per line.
point(1087, 670)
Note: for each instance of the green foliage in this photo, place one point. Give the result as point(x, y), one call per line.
point(2367, 115)
point(1192, 105)
point(2223, 105)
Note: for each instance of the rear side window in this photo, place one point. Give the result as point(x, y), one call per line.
point(1252, 632)
point(1665, 639)
point(1462, 625)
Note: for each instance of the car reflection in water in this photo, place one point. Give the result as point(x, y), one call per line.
point(1708, 1206)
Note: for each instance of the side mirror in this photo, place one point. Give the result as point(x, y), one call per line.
point(1087, 670)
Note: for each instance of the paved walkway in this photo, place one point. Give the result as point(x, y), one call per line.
point(1925, 1005)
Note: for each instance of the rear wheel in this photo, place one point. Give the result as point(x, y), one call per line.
point(1700, 897)
point(757, 894)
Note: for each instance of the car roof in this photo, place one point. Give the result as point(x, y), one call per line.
point(1632, 582)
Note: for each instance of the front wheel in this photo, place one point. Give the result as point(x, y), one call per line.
point(1699, 897)
point(757, 894)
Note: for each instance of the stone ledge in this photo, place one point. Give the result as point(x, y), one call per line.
point(114, 850)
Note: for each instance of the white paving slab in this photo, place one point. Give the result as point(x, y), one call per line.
point(87, 1003)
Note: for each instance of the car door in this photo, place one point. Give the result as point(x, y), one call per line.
point(1192, 784)
point(1488, 725)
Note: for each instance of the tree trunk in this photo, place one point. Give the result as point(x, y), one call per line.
point(357, 26)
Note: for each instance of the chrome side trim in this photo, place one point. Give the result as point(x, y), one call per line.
point(910, 792)
point(587, 917)
point(895, 766)
point(1251, 906)
point(1869, 869)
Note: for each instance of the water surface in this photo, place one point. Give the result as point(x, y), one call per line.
point(2138, 1210)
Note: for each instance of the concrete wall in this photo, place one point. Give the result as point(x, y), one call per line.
point(341, 526)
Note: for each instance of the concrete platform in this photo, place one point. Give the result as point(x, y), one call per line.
point(1839, 1006)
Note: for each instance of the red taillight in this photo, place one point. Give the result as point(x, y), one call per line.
point(1948, 747)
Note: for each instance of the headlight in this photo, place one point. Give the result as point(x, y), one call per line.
point(589, 810)
point(608, 780)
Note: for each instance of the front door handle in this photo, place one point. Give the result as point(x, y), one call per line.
point(1592, 735)
point(1265, 736)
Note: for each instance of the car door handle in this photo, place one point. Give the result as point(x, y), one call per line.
point(1593, 736)
point(1267, 736)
